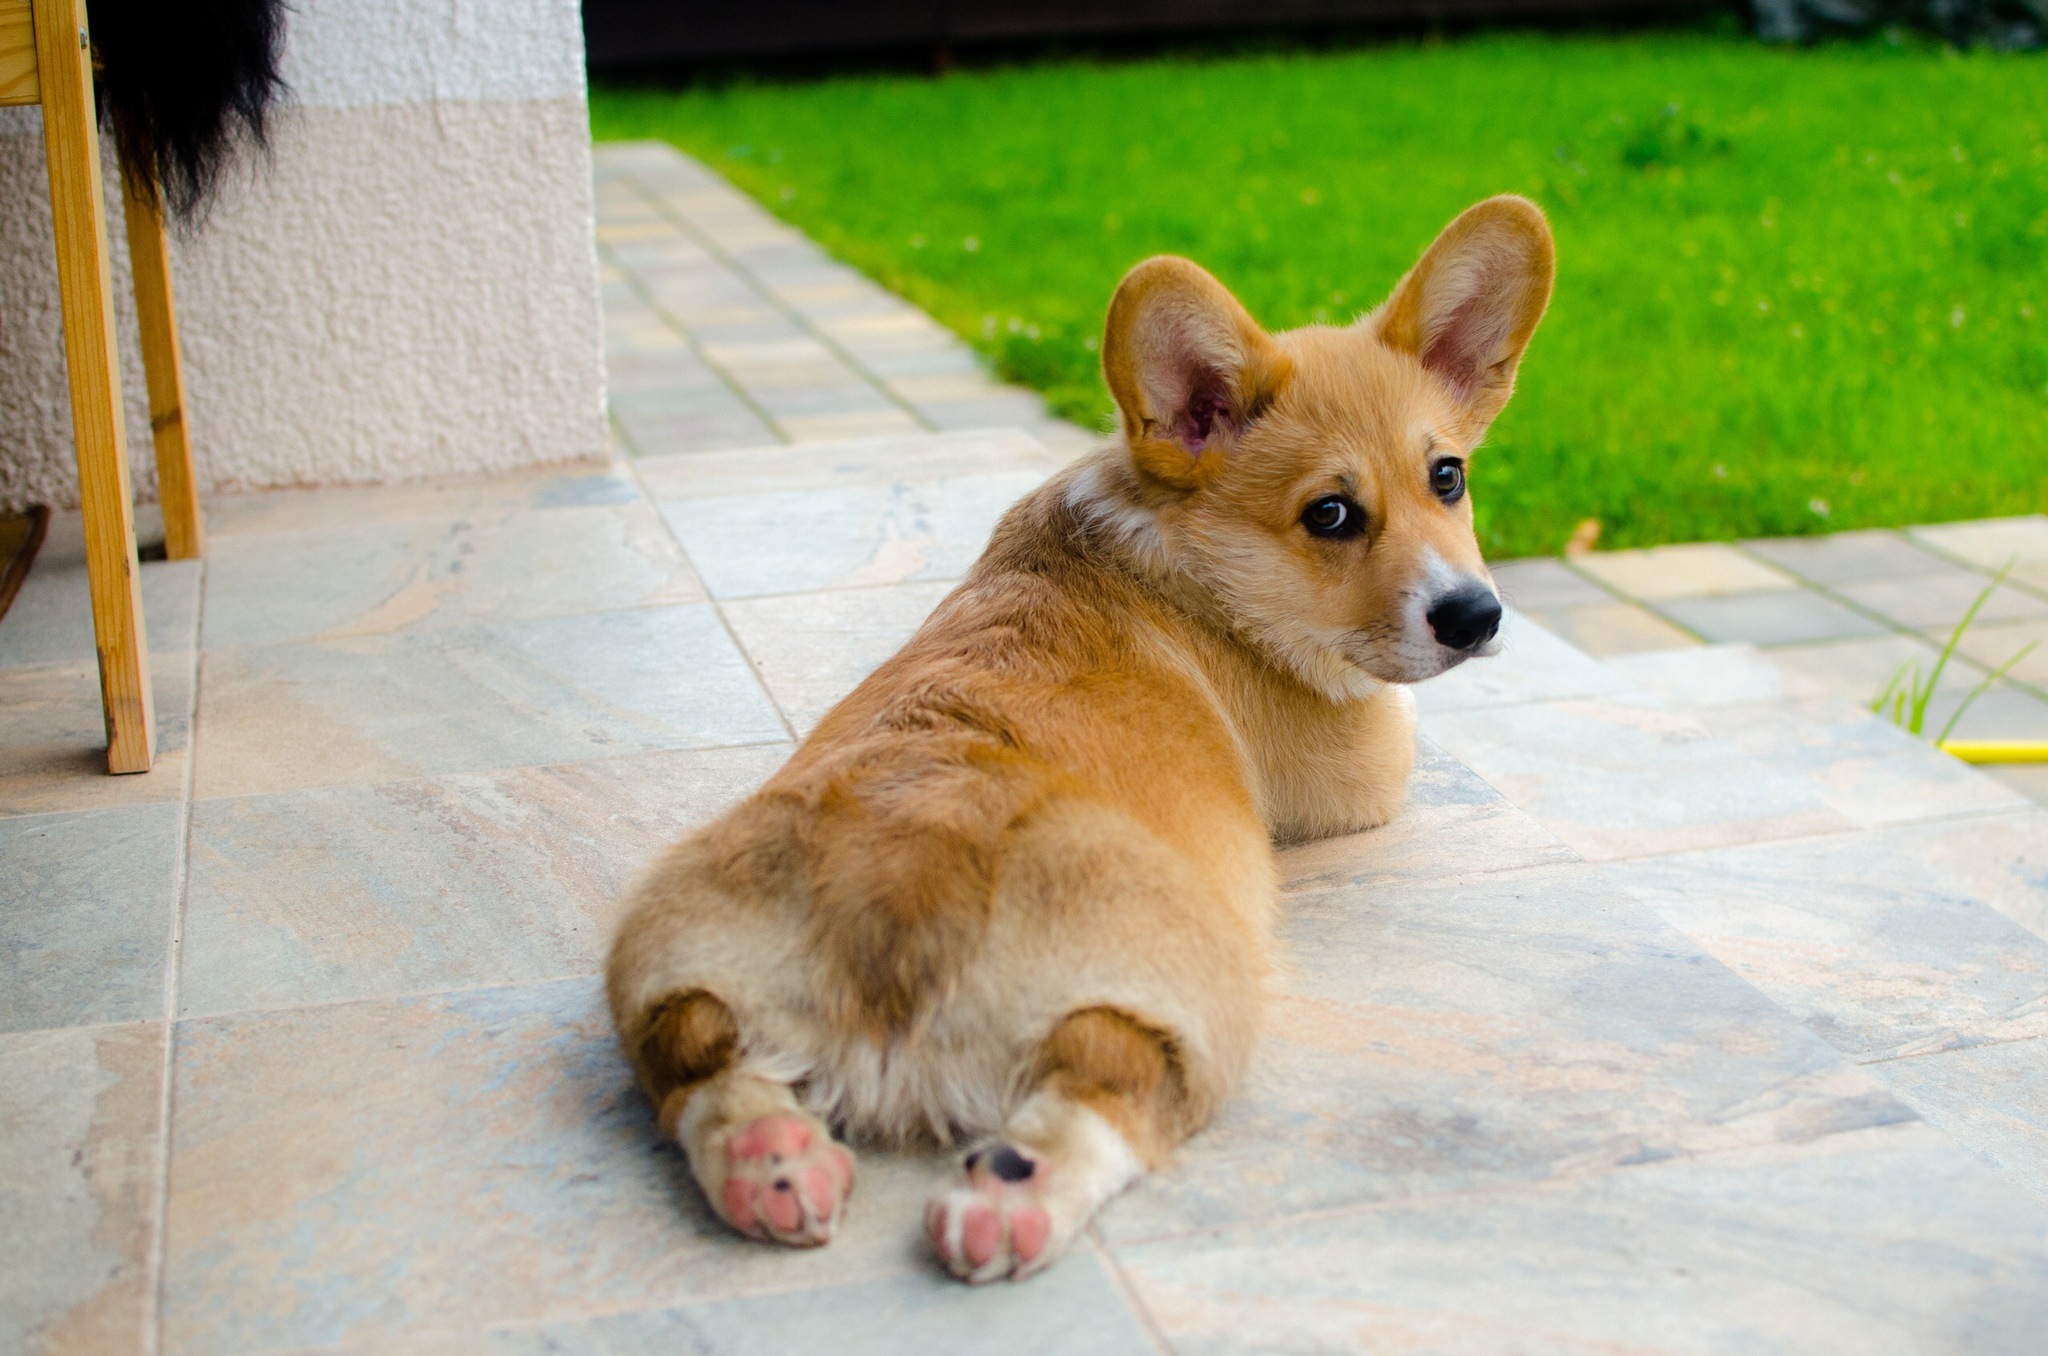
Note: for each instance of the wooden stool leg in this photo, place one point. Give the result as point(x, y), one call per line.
point(86, 286)
point(149, 249)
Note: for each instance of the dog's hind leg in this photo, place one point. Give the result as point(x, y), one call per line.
point(1109, 1102)
point(766, 1166)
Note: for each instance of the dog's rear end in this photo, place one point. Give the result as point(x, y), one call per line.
point(1018, 887)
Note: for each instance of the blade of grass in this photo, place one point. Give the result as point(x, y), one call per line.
point(1920, 699)
point(1984, 687)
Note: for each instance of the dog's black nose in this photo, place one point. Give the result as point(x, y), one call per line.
point(1466, 618)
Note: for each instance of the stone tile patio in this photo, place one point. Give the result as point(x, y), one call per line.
point(1688, 1007)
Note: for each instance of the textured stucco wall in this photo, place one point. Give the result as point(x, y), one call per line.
point(406, 288)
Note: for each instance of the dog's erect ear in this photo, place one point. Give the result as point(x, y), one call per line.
point(1467, 309)
point(1189, 368)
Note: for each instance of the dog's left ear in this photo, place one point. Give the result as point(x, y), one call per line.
point(1189, 367)
point(1467, 308)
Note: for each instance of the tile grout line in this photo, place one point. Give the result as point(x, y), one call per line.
point(1895, 627)
point(1119, 1278)
point(718, 611)
point(1985, 1044)
point(669, 318)
point(158, 1263)
point(833, 346)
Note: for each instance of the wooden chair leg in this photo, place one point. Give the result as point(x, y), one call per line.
point(149, 249)
point(86, 287)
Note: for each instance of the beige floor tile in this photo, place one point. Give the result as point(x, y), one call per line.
point(1887, 943)
point(508, 565)
point(1537, 582)
point(798, 541)
point(947, 386)
point(1612, 628)
point(53, 738)
point(1694, 570)
point(1513, 1026)
point(1991, 1099)
point(2029, 779)
point(1999, 712)
point(1626, 777)
point(365, 1172)
point(1774, 617)
point(1937, 603)
point(1866, 767)
point(914, 458)
point(811, 649)
point(1993, 644)
point(1847, 557)
point(50, 620)
point(86, 908)
point(368, 891)
point(1889, 1239)
point(1533, 665)
point(294, 512)
point(1714, 675)
point(1453, 825)
point(80, 1153)
point(376, 708)
point(1858, 670)
point(1990, 543)
point(832, 428)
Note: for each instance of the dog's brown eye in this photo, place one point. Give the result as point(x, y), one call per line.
point(1334, 515)
point(1447, 478)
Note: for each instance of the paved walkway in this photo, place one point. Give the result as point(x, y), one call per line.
point(726, 328)
point(1688, 1008)
point(1846, 611)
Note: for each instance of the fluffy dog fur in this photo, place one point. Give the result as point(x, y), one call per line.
point(1018, 888)
point(186, 85)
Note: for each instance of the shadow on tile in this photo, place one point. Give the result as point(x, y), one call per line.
point(1885, 942)
point(1508, 1027)
point(53, 738)
point(1991, 1099)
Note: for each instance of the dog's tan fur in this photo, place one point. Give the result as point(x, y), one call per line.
point(1020, 883)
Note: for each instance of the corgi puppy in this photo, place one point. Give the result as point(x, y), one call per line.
point(1017, 891)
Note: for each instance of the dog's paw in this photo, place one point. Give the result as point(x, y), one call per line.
point(998, 1220)
point(785, 1180)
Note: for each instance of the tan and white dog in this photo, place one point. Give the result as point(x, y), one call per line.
point(1018, 889)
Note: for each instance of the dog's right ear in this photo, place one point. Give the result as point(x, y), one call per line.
point(1189, 367)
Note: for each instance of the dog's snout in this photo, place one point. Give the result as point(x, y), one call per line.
point(1467, 618)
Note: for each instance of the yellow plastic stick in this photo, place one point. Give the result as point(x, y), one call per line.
point(1998, 750)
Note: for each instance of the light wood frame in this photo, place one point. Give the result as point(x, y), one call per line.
point(46, 58)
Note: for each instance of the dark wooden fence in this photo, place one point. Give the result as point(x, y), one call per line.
point(624, 33)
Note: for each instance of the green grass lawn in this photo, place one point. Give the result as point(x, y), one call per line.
point(1798, 290)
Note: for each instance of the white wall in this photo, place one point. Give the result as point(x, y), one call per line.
point(407, 288)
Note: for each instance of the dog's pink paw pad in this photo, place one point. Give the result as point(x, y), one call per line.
point(993, 1224)
point(1029, 1228)
point(980, 1232)
point(786, 1180)
point(739, 1205)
